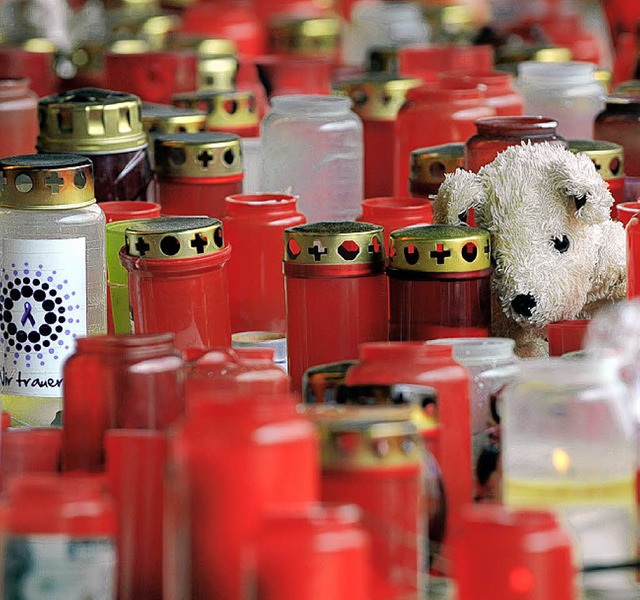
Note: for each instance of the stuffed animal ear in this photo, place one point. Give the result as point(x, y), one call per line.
point(459, 192)
point(586, 193)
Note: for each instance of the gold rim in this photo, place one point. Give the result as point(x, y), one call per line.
point(440, 249)
point(223, 109)
point(607, 157)
point(174, 237)
point(429, 165)
point(334, 243)
point(305, 36)
point(46, 182)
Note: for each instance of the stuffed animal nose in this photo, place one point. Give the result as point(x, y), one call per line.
point(523, 304)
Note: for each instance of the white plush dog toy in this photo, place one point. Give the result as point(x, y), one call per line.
point(556, 253)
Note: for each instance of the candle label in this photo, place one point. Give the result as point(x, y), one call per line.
point(57, 567)
point(43, 294)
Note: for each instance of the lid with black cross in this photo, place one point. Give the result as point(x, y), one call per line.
point(339, 243)
point(174, 237)
point(46, 182)
point(439, 249)
point(201, 155)
point(224, 109)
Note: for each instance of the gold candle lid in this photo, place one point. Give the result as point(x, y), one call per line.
point(558, 54)
point(174, 237)
point(46, 181)
point(203, 46)
point(353, 443)
point(440, 249)
point(377, 96)
point(630, 87)
point(217, 73)
point(334, 243)
point(295, 35)
point(129, 46)
point(224, 109)
point(90, 121)
point(199, 155)
point(607, 157)
point(429, 165)
point(165, 118)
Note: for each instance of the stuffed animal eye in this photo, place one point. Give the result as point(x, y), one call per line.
point(580, 201)
point(561, 244)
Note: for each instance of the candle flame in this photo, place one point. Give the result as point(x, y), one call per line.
point(561, 460)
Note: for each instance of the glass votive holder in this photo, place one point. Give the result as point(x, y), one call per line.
point(626, 210)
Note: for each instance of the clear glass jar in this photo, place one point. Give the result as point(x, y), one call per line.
point(313, 148)
point(568, 445)
point(53, 276)
point(565, 91)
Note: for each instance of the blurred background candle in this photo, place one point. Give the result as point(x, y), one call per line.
point(430, 165)
point(568, 445)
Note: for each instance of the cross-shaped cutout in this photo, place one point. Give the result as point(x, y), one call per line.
point(487, 248)
point(205, 157)
point(53, 182)
point(199, 242)
point(375, 245)
point(142, 247)
point(3, 182)
point(317, 250)
point(440, 254)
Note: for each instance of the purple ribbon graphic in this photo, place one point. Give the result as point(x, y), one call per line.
point(27, 315)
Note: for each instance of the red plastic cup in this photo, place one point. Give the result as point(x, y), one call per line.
point(566, 336)
point(626, 210)
point(136, 462)
point(319, 551)
point(129, 209)
point(511, 555)
point(24, 450)
point(396, 212)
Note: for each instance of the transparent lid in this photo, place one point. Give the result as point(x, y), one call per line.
point(560, 74)
point(311, 106)
point(474, 351)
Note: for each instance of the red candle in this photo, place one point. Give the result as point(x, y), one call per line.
point(254, 225)
point(566, 336)
point(497, 85)
point(427, 62)
point(153, 76)
point(227, 111)
point(335, 290)
point(28, 450)
point(430, 117)
point(608, 159)
point(136, 462)
point(237, 461)
point(626, 210)
point(377, 465)
point(377, 98)
point(430, 165)
point(284, 74)
point(496, 134)
point(132, 209)
point(58, 538)
point(37, 67)
point(177, 280)
point(195, 172)
point(18, 117)
point(123, 382)
point(530, 556)
point(430, 366)
point(439, 283)
point(320, 551)
point(396, 213)
point(633, 257)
